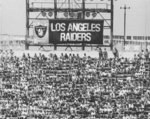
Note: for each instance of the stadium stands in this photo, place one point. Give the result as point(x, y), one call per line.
point(73, 87)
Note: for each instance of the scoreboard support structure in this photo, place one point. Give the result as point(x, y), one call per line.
point(38, 6)
point(42, 47)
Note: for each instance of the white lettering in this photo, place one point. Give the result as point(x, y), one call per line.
point(62, 37)
point(98, 27)
point(75, 37)
point(63, 27)
point(70, 27)
point(58, 27)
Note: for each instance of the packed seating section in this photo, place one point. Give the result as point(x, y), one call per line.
point(73, 87)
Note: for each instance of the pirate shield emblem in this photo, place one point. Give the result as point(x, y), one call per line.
point(40, 31)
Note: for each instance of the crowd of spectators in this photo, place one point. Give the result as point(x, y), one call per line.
point(74, 87)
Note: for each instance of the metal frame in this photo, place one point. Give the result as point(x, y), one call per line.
point(125, 8)
point(56, 10)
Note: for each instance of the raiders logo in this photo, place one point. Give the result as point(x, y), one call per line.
point(40, 31)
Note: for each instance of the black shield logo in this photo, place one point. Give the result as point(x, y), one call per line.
point(40, 31)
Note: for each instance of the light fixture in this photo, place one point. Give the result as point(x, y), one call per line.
point(66, 14)
point(43, 13)
point(50, 13)
point(94, 14)
point(87, 14)
point(71, 14)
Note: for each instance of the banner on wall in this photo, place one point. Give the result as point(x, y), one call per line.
point(76, 31)
point(41, 31)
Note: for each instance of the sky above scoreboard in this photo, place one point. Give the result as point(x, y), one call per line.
point(12, 17)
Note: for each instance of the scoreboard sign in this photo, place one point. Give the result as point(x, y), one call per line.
point(76, 31)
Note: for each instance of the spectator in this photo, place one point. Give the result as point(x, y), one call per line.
point(100, 53)
point(146, 54)
point(46, 87)
point(141, 55)
point(105, 54)
point(116, 53)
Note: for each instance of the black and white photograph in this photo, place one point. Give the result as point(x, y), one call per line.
point(74, 59)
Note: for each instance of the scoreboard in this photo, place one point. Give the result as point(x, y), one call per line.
point(70, 31)
point(76, 31)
